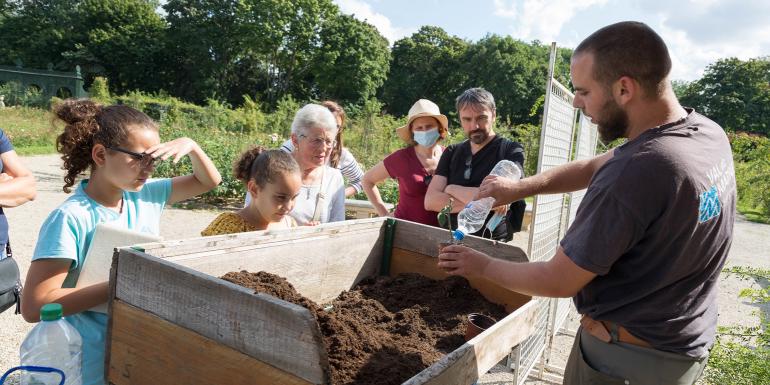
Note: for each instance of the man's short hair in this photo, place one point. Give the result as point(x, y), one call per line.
point(632, 49)
point(475, 97)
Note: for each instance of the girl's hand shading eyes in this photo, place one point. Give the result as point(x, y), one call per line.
point(177, 148)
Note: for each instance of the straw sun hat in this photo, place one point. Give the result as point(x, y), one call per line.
point(422, 107)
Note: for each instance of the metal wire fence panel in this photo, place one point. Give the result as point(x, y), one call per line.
point(587, 137)
point(585, 143)
point(546, 229)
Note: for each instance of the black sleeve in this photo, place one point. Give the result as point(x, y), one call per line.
point(515, 153)
point(445, 162)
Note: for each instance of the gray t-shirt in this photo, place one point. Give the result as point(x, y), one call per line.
point(656, 224)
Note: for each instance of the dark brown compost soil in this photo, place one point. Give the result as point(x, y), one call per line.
point(387, 329)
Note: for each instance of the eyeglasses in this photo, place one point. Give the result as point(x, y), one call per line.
point(321, 142)
point(145, 160)
point(467, 173)
point(427, 179)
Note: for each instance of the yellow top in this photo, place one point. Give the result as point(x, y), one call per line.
point(231, 222)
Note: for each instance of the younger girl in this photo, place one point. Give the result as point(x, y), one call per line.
point(273, 180)
point(119, 146)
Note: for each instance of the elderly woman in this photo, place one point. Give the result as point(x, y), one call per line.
point(321, 198)
point(413, 166)
point(340, 157)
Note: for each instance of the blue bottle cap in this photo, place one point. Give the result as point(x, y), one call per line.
point(458, 235)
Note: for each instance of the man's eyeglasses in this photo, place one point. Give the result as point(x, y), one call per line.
point(320, 142)
point(467, 173)
point(145, 160)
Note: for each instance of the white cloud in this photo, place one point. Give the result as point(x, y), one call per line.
point(700, 34)
point(540, 19)
point(363, 11)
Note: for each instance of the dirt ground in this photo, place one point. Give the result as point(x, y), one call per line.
point(751, 247)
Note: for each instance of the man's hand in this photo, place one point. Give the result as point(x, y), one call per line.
point(504, 190)
point(464, 261)
point(5, 177)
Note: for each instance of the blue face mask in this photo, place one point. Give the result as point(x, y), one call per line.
point(426, 138)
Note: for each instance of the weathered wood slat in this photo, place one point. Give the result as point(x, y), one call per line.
point(146, 349)
point(405, 261)
point(225, 242)
point(319, 267)
point(425, 239)
point(468, 362)
point(278, 333)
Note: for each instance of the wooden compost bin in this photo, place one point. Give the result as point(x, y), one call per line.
point(172, 321)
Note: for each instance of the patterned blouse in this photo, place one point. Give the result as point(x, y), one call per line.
point(231, 222)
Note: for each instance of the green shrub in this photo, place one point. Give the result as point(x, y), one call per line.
point(16, 95)
point(751, 154)
point(100, 90)
point(741, 354)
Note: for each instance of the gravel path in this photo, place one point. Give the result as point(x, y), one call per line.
point(751, 247)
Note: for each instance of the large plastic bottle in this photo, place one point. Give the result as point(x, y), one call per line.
point(471, 218)
point(52, 343)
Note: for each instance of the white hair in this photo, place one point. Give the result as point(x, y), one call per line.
point(313, 115)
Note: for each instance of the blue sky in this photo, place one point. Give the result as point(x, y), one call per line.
point(698, 32)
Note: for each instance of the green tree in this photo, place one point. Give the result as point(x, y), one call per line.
point(125, 38)
point(118, 39)
point(38, 32)
point(427, 64)
point(734, 93)
point(225, 49)
point(353, 60)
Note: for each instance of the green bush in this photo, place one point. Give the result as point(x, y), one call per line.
point(741, 354)
point(100, 90)
point(16, 95)
point(751, 154)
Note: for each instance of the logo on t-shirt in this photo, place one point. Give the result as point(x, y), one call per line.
point(710, 207)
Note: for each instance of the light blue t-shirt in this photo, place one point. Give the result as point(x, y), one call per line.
point(67, 233)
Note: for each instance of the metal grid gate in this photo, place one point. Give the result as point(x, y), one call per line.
point(547, 213)
point(585, 148)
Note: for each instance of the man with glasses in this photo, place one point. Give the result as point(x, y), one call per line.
point(464, 166)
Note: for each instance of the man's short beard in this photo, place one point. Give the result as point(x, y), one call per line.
point(612, 122)
point(480, 139)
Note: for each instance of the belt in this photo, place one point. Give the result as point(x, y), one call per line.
point(603, 331)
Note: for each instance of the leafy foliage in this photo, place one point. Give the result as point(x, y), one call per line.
point(740, 354)
point(734, 93)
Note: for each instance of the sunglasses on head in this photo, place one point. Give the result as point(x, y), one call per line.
point(467, 173)
point(145, 159)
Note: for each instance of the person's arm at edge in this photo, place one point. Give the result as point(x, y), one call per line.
point(21, 188)
point(569, 177)
point(374, 176)
point(558, 277)
point(436, 199)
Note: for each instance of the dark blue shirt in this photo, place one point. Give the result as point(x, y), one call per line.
point(5, 146)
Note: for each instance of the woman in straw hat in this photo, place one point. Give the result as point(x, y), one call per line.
point(412, 166)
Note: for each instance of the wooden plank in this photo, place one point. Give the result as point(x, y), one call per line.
point(149, 350)
point(281, 334)
point(216, 243)
point(468, 362)
point(319, 267)
point(405, 261)
point(425, 239)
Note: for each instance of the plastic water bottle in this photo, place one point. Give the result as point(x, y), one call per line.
point(472, 217)
point(52, 343)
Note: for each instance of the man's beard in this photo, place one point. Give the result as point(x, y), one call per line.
point(480, 138)
point(613, 123)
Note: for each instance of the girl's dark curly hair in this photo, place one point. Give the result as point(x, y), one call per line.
point(263, 165)
point(88, 123)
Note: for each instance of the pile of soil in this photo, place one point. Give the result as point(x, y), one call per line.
point(386, 329)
